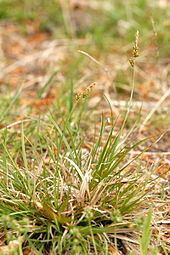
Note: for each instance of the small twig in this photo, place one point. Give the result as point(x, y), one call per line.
point(157, 105)
point(15, 123)
point(94, 60)
point(149, 153)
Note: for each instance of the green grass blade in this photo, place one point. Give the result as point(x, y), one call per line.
point(146, 235)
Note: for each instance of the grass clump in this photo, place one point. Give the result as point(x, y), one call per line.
point(58, 198)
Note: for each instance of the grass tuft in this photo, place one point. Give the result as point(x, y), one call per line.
point(64, 199)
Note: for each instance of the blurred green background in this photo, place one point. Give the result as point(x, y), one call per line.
point(102, 20)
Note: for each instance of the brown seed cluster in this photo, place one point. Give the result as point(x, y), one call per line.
point(85, 93)
point(135, 52)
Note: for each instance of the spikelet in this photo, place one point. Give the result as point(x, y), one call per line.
point(135, 52)
point(85, 93)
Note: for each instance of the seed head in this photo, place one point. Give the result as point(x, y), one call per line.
point(135, 52)
point(85, 93)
